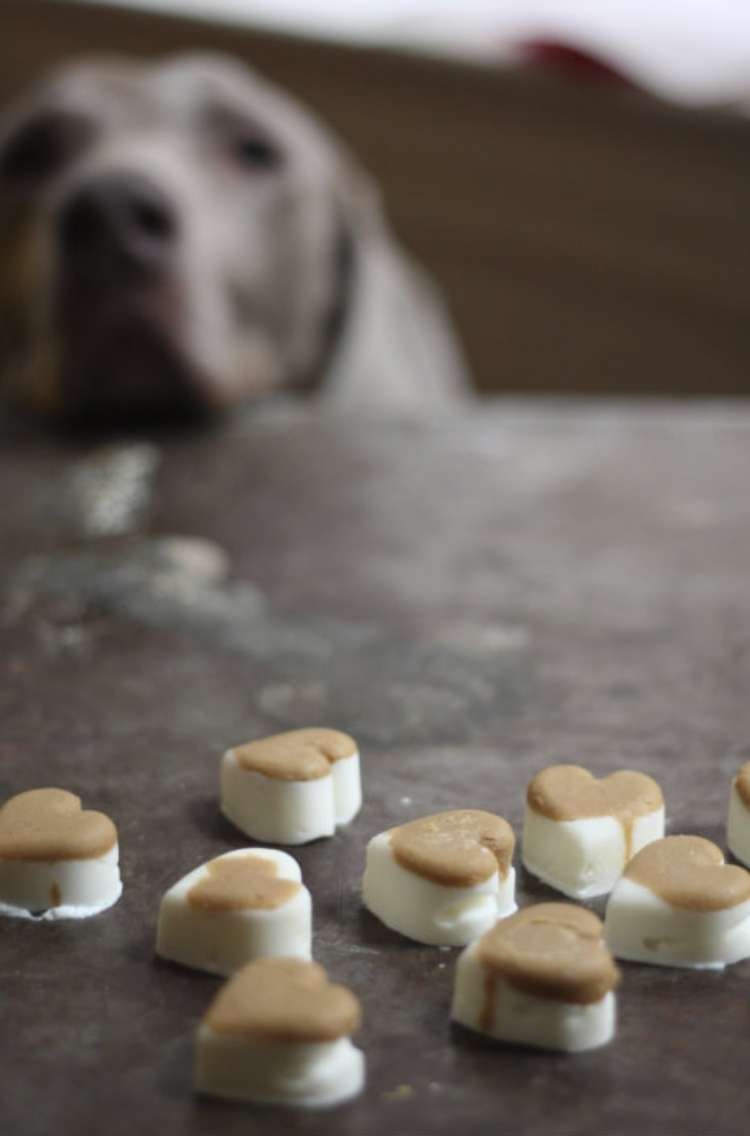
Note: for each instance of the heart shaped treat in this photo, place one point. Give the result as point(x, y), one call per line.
point(689, 872)
point(244, 905)
point(551, 950)
point(542, 977)
point(579, 832)
point(443, 879)
point(456, 849)
point(292, 788)
point(241, 883)
point(298, 755)
point(56, 860)
point(49, 825)
point(570, 792)
point(278, 1033)
point(283, 999)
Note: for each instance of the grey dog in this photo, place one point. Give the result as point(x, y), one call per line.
point(179, 237)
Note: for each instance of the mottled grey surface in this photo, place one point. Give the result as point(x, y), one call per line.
point(472, 598)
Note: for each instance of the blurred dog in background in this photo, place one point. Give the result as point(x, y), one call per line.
point(179, 237)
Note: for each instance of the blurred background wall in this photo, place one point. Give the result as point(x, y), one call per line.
point(590, 237)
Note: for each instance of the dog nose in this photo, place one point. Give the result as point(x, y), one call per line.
point(117, 215)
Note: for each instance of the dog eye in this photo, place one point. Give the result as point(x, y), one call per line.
point(256, 153)
point(41, 147)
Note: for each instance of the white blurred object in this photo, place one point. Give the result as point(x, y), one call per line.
point(690, 51)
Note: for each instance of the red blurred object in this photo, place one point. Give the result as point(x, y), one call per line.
point(564, 58)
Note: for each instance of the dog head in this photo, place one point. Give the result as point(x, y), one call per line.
point(174, 237)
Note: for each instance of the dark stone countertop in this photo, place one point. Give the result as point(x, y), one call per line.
point(472, 598)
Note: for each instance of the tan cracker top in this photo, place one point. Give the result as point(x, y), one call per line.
point(551, 950)
point(742, 782)
point(241, 883)
point(689, 872)
point(283, 999)
point(49, 824)
point(298, 755)
point(570, 792)
point(456, 849)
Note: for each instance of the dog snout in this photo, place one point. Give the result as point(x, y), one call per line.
point(113, 219)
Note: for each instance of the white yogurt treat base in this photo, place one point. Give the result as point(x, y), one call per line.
point(222, 941)
point(60, 889)
point(524, 1019)
point(429, 912)
point(347, 788)
point(738, 828)
point(290, 812)
point(583, 858)
point(640, 926)
point(306, 1074)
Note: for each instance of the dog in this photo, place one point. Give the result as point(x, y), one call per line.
point(180, 237)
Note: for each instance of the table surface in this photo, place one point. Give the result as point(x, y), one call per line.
point(472, 598)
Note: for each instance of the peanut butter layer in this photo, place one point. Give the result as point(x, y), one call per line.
point(241, 883)
point(456, 849)
point(570, 792)
point(298, 755)
point(742, 784)
point(49, 824)
point(283, 999)
point(689, 872)
point(550, 950)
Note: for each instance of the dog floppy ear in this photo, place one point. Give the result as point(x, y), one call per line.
point(397, 348)
point(358, 198)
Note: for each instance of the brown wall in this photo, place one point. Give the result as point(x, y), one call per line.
point(588, 238)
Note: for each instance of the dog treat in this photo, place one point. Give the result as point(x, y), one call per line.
point(679, 904)
point(293, 787)
point(738, 823)
point(542, 977)
point(580, 831)
point(443, 879)
point(279, 1032)
point(241, 906)
point(57, 861)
